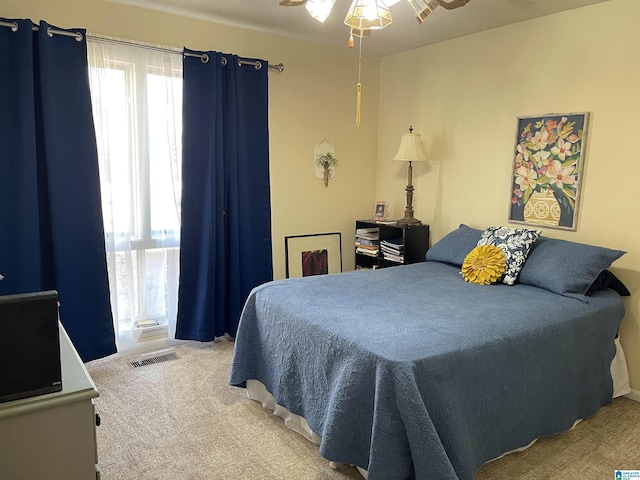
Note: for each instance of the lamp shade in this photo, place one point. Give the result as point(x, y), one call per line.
point(320, 9)
point(368, 15)
point(410, 149)
point(451, 4)
point(422, 9)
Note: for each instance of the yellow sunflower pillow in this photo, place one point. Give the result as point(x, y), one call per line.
point(484, 265)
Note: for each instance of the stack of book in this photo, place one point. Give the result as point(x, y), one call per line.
point(361, 267)
point(367, 242)
point(393, 249)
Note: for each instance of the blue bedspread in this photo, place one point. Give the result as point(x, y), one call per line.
point(410, 372)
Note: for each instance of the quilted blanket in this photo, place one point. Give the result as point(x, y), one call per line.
point(410, 372)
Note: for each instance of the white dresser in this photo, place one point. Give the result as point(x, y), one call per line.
point(52, 436)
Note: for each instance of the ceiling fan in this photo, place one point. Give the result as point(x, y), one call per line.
point(320, 9)
point(450, 4)
point(366, 15)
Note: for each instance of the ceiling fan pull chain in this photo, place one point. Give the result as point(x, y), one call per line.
point(359, 86)
point(358, 100)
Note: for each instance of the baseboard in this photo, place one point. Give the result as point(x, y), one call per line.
point(633, 395)
point(150, 344)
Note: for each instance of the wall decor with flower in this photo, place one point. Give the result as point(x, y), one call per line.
point(325, 162)
point(547, 169)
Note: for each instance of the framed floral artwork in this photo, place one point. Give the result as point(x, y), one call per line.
point(316, 254)
point(547, 169)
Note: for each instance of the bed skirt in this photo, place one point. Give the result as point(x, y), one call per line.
point(257, 391)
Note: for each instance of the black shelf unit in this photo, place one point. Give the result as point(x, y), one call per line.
point(415, 239)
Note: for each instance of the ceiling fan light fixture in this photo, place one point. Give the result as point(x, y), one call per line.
point(320, 9)
point(422, 9)
point(451, 4)
point(356, 32)
point(292, 3)
point(368, 15)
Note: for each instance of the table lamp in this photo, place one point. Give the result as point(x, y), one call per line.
point(410, 151)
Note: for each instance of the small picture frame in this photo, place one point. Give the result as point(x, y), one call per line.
point(317, 254)
point(380, 211)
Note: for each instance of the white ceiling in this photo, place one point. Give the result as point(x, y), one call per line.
point(403, 34)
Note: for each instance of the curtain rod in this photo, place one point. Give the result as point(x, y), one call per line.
point(202, 56)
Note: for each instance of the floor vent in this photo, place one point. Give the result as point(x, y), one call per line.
point(154, 358)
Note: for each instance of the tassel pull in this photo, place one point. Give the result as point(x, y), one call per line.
point(358, 101)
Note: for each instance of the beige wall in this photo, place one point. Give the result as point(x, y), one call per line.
point(463, 96)
point(313, 99)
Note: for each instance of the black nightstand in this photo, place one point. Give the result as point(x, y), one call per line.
point(396, 244)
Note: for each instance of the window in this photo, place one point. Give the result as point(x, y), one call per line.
point(137, 106)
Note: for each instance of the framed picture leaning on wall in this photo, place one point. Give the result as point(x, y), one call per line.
point(315, 254)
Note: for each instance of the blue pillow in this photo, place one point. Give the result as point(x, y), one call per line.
point(564, 267)
point(515, 243)
point(454, 246)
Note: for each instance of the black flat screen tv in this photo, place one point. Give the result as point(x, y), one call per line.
point(29, 345)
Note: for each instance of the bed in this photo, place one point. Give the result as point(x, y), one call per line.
point(411, 372)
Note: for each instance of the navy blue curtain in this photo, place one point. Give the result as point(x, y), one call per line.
point(225, 243)
point(51, 230)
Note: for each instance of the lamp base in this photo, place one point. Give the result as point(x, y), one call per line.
point(408, 218)
point(409, 221)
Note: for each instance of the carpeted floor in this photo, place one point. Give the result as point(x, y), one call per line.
point(179, 420)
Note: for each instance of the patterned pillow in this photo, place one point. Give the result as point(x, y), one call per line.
point(484, 265)
point(515, 243)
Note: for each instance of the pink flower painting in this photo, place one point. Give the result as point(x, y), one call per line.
point(547, 169)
